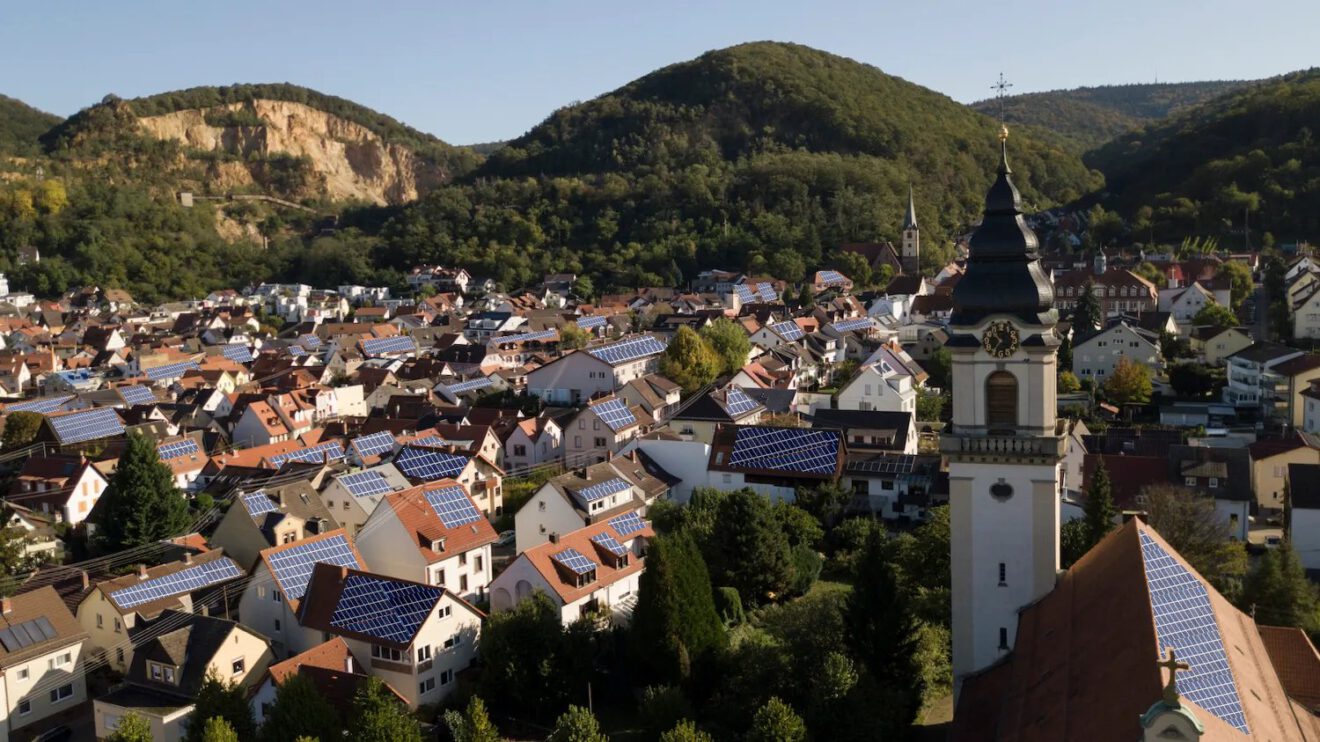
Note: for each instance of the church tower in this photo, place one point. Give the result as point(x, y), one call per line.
point(1005, 445)
point(911, 256)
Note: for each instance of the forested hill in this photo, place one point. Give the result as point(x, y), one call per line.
point(1085, 118)
point(1256, 149)
point(20, 127)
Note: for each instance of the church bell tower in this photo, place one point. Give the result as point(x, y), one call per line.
point(911, 254)
point(1005, 444)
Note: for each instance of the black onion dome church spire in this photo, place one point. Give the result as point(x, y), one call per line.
point(1004, 274)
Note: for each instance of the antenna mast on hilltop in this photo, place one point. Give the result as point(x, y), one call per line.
point(1001, 89)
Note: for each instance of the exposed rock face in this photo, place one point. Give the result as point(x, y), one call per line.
point(351, 162)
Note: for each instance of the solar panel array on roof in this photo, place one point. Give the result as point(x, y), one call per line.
point(178, 449)
point(527, 337)
point(137, 394)
point(388, 610)
point(615, 414)
point(25, 634)
point(1185, 621)
point(41, 405)
point(609, 543)
point(737, 403)
point(379, 346)
point(374, 444)
point(430, 441)
point(421, 463)
point(259, 503)
point(896, 464)
point(469, 385)
point(832, 278)
point(789, 330)
point(574, 561)
point(857, 323)
point(293, 565)
point(320, 453)
point(628, 523)
point(603, 489)
point(309, 341)
point(87, 425)
point(171, 371)
point(628, 350)
point(766, 292)
point(295, 351)
point(183, 581)
point(365, 483)
point(745, 293)
point(590, 323)
point(453, 507)
point(237, 353)
point(797, 450)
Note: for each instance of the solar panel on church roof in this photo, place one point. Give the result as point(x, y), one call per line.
point(737, 403)
point(849, 325)
point(797, 450)
point(320, 453)
point(789, 330)
point(745, 293)
point(469, 385)
point(574, 561)
point(421, 463)
point(384, 609)
point(603, 489)
point(399, 344)
point(615, 414)
point(178, 583)
point(137, 394)
point(237, 353)
point(374, 444)
point(628, 350)
point(87, 425)
point(1185, 620)
point(41, 405)
point(590, 323)
point(170, 371)
point(293, 565)
point(609, 543)
point(527, 337)
point(178, 449)
point(766, 292)
point(831, 278)
point(365, 483)
point(628, 523)
point(453, 507)
point(259, 503)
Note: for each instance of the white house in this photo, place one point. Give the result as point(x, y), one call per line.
point(353, 496)
point(1252, 382)
point(602, 369)
point(884, 382)
point(532, 442)
point(601, 429)
point(1184, 303)
point(588, 495)
point(1306, 315)
point(1097, 356)
point(41, 674)
point(65, 485)
point(1304, 524)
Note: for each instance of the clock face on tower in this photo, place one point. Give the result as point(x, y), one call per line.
point(1000, 339)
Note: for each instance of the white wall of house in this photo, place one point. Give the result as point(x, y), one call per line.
point(874, 389)
point(522, 580)
point(1305, 536)
point(1098, 356)
point(392, 550)
point(47, 684)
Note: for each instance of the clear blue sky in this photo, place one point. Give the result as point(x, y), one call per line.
point(479, 71)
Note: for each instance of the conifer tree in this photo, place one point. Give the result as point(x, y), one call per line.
point(883, 633)
point(218, 698)
point(1100, 509)
point(748, 549)
point(379, 716)
point(300, 710)
point(143, 505)
point(675, 608)
point(1278, 591)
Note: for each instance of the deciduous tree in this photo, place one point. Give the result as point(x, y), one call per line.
point(300, 710)
point(730, 343)
point(379, 716)
point(689, 361)
point(132, 728)
point(473, 724)
point(21, 429)
point(1189, 522)
point(577, 724)
point(776, 721)
point(218, 698)
point(1068, 382)
point(218, 730)
point(1240, 283)
point(1129, 384)
point(1215, 315)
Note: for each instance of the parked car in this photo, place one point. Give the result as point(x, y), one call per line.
point(506, 538)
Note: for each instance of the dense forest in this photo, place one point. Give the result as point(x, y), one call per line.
point(20, 127)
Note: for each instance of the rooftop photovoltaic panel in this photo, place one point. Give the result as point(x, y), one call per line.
point(374, 444)
point(453, 506)
point(745, 293)
point(309, 341)
point(895, 464)
point(766, 292)
point(527, 337)
point(574, 561)
point(237, 353)
point(400, 344)
point(469, 385)
point(42, 405)
point(320, 453)
point(293, 565)
point(628, 523)
point(848, 325)
point(137, 394)
point(366, 483)
point(787, 330)
point(384, 609)
point(603, 489)
point(430, 441)
point(421, 463)
point(178, 449)
point(22, 635)
point(171, 371)
point(183, 581)
point(609, 543)
point(628, 350)
point(737, 403)
point(615, 414)
point(797, 450)
point(259, 503)
point(590, 323)
point(295, 351)
point(87, 425)
point(1185, 621)
point(832, 278)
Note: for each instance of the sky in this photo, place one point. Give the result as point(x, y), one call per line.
point(484, 71)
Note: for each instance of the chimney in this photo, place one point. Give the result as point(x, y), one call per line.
point(348, 663)
point(86, 582)
point(203, 610)
point(187, 557)
point(6, 606)
point(343, 573)
point(609, 455)
point(142, 571)
point(554, 537)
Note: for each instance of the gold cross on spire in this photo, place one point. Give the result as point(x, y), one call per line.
point(1001, 89)
point(1173, 665)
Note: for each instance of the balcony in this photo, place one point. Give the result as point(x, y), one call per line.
point(1002, 445)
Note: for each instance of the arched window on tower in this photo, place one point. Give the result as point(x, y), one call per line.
point(1001, 400)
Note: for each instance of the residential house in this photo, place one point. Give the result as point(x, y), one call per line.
point(1303, 524)
point(533, 442)
point(1295, 376)
point(588, 495)
point(354, 495)
point(1306, 312)
point(1215, 345)
point(870, 430)
point(1252, 382)
point(1097, 356)
point(656, 395)
point(1269, 468)
point(601, 429)
point(1119, 291)
point(728, 406)
point(602, 369)
point(270, 517)
point(885, 382)
point(41, 661)
point(774, 462)
point(1222, 473)
point(329, 667)
point(66, 485)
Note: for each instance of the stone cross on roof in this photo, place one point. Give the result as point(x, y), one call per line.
point(1171, 689)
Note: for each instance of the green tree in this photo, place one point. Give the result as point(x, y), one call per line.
point(1215, 315)
point(132, 728)
point(855, 267)
point(883, 633)
point(584, 288)
point(577, 724)
point(663, 707)
point(1278, 591)
point(747, 548)
point(1152, 273)
point(825, 502)
point(1189, 522)
point(930, 405)
point(939, 367)
point(21, 429)
point(218, 698)
point(675, 620)
point(218, 730)
point(1129, 384)
point(1240, 283)
point(1191, 380)
point(143, 505)
point(473, 724)
point(300, 710)
point(686, 731)
point(730, 343)
point(572, 337)
point(1074, 541)
point(378, 716)
point(528, 664)
point(806, 299)
point(1100, 509)
point(1068, 382)
point(1087, 315)
point(689, 361)
point(1066, 352)
point(776, 721)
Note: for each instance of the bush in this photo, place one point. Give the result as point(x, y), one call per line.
point(729, 605)
point(663, 707)
point(806, 564)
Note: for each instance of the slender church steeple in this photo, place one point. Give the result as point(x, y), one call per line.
point(911, 255)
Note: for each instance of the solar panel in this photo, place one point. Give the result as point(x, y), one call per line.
point(609, 543)
point(178, 449)
point(590, 323)
point(453, 506)
point(890, 464)
point(170, 371)
point(296, 351)
point(320, 453)
point(430, 441)
point(309, 341)
point(389, 610)
point(421, 463)
point(374, 444)
point(42, 405)
point(574, 561)
point(832, 278)
point(527, 337)
point(796, 450)
point(365, 483)
point(87, 425)
point(137, 394)
point(848, 325)
point(293, 564)
point(469, 385)
point(1185, 621)
point(766, 292)
point(628, 523)
point(183, 581)
point(745, 293)
point(603, 489)
point(628, 350)
point(787, 330)
point(259, 503)
point(27, 633)
point(237, 353)
point(378, 346)
point(737, 403)
point(615, 414)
